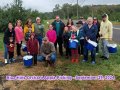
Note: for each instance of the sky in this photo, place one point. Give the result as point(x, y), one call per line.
point(48, 5)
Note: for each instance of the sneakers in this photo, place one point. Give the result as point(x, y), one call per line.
point(6, 61)
point(93, 62)
point(84, 60)
point(76, 60)
point(72, 60)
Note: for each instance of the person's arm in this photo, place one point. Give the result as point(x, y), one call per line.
point(110, 32)
point(25, 30)
point(41, 51)
point(28, 47)
point(52, 50)
point(33, 28)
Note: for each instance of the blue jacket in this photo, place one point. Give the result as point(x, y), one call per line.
point(90, 33)
point(80, 33)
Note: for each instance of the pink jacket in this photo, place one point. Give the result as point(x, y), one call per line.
point(19, 34)
point(51, 34)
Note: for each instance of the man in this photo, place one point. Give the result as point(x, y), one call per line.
point(39, 30)
point(89, 32)
point(48, 53)
point(106, 34)
point(59, 28)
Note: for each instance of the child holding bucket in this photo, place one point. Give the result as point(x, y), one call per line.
point(11, 49)
point(33, 47)
point(74, 48)
point(66, 36)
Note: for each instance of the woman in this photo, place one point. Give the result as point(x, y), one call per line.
point(28, 25)
point(8, 33)
point(69, 24)
point(19, 37)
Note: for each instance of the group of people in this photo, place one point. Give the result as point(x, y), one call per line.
point(43, 46)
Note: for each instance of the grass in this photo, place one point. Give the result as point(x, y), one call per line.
point(63, 67)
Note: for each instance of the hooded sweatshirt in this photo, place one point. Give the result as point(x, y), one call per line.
point(106, 29)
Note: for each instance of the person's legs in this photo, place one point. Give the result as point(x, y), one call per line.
point(5, 52)
point(85, 53)
point(11, 54)
point(93, 54)
point(97, 48)
point(60, 45)
point(35, 59)
point(39, 38)
point(40, 58)
point(104, 48)
point(82, 46)
point(53, 57)
point(79, 50)
point(76, 55)
point(19, 49)
point(55, 44)
point(72, 55)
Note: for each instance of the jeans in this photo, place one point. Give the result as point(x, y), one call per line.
point(39, 38)
point(104, 48)
point(5, 51)
point(93, 53)
point(52, 58)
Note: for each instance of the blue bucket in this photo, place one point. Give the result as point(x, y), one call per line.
point(73, 44)
point(112, 48)
point(90, 47)
point(28, 60)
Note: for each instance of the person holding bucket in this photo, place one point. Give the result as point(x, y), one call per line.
point(33, 47)
point(74, 44)
point(89, 32)
point(48, 53)
point(106, 33)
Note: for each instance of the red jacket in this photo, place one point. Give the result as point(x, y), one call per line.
point(32, 46)
point(11, 47)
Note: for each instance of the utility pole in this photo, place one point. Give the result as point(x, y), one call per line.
point(77, 9)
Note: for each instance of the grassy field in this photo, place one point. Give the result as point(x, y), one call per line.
point(63, 67)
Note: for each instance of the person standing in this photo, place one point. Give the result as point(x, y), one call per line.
point(106, 33)
point(59, 28)
point(8, 33)
point(27, 26)
point(89, 32)
point(19, 36)
point(51, 34)
point(33, 47)
point(39, 30)
point(69, 24)
point(96, 22)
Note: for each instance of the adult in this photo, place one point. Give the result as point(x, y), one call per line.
point(48, 53)
point(39, 30)
point(28, 25)
point(106, 34)
point(19, 37)
point(97, 23)
point(8, 33)
point(90, 32)
point(59, 28)
point(69, 24)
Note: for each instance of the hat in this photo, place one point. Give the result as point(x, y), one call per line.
point(104, 15)
point(95, 18)
point(79, 22)
point(45, 39)
point(32, 34)
point(37, 18)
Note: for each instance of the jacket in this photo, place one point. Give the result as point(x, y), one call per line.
point(106, 29)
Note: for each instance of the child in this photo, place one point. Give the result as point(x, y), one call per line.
point(51, 34)
point(11, 49)
point(66, 36)
point(27, 35)
point(74, 51)
point(33, 47)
